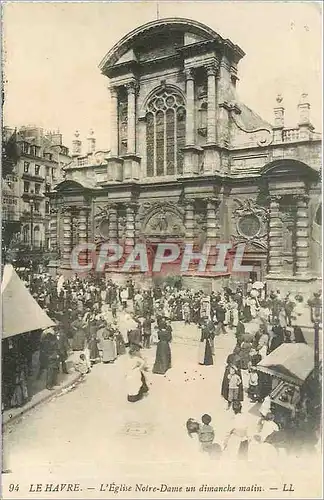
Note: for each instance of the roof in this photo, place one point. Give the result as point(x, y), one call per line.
point(187, 25)
point(249, 120)
point(290, 362)
point(20, 311)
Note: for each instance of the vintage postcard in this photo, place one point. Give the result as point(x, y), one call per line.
point(161, 250)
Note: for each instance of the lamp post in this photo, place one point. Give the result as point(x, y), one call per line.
point(31, 204)
point(315, 305)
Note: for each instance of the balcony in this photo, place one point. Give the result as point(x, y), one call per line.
point(26, 216)
point(28, 176)
point(33, 196)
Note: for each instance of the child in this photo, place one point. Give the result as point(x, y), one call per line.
point(206, 433)
point(253, 384)
point(82, 366)
point(234, 382)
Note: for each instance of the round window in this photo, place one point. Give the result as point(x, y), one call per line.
point(104, 228)
point(249, 225)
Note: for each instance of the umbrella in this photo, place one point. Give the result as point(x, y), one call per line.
point(258, 285)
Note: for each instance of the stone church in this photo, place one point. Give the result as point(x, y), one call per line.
point(189, 162)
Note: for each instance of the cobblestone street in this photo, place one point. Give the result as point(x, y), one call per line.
point(94, 432)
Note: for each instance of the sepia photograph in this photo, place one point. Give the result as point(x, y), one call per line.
point(161, 259)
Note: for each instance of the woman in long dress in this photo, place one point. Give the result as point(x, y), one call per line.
point(108, 346)
point(135, 378)
point(163, 351)
point(92, 345)
point(205, 356)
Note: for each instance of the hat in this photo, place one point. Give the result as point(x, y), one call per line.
point(49, 331)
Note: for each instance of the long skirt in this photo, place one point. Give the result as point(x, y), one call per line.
point(109, 351)
point(78, 340)
point(132, 398)
point(94, 351)
point(205, 356)
point(120, 345)
point(237, 448)
point(162, 358)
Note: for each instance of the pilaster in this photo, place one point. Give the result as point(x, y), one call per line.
point(113, 121)
point(113, 229)
point(189, 219)
point(302, 236)
point(67, 236)
point(275, 236)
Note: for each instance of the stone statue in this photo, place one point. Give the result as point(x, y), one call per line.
point(161, 222)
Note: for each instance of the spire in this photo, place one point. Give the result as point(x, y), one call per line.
point(76, 144)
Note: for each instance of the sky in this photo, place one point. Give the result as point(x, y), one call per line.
point(52, 52)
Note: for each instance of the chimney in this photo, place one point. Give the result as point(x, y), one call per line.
point(76, 145)
point(91, 142)
point(304, 125)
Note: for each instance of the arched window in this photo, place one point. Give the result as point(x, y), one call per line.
point(165, 133)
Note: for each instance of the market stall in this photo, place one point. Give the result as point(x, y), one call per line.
point(22, 322)
point(289, 366)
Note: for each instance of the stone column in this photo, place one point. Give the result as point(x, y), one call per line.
point(211, 229)
point(67, 234)
point(130, 225)
point(275, 237)
point(53, 230)
point(113, 121)
point(302, 236)
point(189, 220)
point(190, 108)
point(83, 233)
point(211, 109)
point(83, 226)
point(113, 229)
point(131, 118)
point(211, 220)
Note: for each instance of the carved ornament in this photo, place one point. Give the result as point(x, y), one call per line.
point(250, 221)
point(160, 219)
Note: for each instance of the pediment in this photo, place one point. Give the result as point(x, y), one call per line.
point(69, 185)
point(164, 33)
point(129, 56)
point(191, 38)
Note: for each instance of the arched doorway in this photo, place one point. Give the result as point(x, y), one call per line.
point(162, 226)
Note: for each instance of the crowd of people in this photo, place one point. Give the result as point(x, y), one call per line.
point(87, 315)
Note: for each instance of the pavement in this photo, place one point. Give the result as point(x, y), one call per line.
point(39, 393)
point(92, 432)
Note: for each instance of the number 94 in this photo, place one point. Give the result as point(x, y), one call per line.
point(13, 487)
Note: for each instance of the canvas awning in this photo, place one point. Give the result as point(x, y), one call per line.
point(20, 311)
point(290, 362)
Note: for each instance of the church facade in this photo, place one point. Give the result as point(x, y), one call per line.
point(188, 162)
